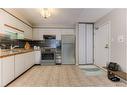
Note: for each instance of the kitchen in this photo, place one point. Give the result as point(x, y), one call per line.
point(17, 35)
point(25, 46)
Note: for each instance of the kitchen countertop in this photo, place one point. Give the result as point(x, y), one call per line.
point(6, 52)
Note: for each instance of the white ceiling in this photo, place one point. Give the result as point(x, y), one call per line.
point(63, 17)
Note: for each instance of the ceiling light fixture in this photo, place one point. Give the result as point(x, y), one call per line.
point(45, 12)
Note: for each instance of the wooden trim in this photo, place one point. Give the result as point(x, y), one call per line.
point(15, 17)
point(13, 27)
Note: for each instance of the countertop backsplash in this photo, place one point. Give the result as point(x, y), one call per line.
point(6, 42)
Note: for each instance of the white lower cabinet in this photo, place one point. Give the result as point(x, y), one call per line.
point(37, 56)
point(0, 73)
point(23, 62)
point(32, 59)
point(29, 60)
point(19, 64)
point(7, 70)
point(13, 66)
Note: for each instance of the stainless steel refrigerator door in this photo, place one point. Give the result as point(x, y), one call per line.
point(68, 49)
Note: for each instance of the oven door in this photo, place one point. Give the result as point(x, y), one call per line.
point(47, 57)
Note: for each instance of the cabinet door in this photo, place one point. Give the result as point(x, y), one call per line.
point(0, 73)
point(29, 60)
point(37, 35)
point(37, 55)
point(32, 58)
point(19, 64)
point(7, 70)
point(28, 32)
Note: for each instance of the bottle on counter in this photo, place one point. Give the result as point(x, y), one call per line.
point(38, 47)
point(35, 47)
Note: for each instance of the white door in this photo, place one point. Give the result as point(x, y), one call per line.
point(89, 43)
point(85, 44)
point(82, 42)
point(101, 44)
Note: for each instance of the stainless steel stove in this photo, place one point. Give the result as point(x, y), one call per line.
point(48, 55)
point(48, 51)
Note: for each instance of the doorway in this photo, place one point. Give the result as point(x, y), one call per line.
point(102, 45)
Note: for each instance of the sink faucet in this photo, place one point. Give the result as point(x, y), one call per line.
point(13, 47)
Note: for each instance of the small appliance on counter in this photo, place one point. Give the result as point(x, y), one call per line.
point(36, 47)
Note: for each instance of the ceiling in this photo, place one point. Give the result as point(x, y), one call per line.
point(62, 17)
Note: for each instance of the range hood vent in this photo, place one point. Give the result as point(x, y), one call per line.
point(49, 37)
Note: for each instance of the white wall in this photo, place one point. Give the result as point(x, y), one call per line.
point(39, 32)
point(118, 21)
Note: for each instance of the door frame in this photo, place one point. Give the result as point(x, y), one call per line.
point(109, 38)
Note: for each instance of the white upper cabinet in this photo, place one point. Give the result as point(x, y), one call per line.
point(12, 21)
point(28, 33)
point(38, 33)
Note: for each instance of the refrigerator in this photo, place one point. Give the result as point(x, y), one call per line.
point(68, 49)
